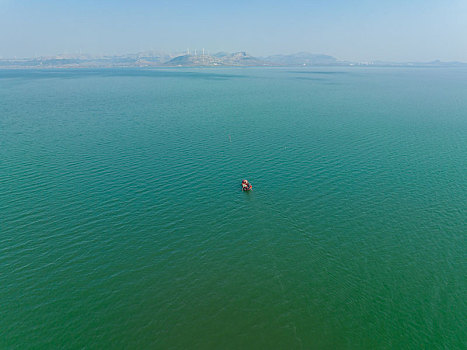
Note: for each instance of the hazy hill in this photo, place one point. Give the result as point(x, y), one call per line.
point(221, 54)
point(194, 60)
point(219, 59)
point(302, 59)
point(242, 59)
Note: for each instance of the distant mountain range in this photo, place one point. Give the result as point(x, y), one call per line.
point(223, 59)
point(305, 59)
point(219, 59)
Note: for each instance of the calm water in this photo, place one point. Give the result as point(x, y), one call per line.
point(123, 224)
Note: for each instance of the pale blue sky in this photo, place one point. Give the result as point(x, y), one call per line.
point(363, 30)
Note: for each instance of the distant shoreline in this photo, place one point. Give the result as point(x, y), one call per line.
point(220, 59)
point(45, 68)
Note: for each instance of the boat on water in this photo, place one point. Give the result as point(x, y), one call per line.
point(246, 186)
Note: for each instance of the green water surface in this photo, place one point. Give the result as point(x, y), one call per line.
point(123, 225)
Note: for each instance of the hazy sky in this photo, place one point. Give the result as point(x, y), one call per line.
point(396, 30)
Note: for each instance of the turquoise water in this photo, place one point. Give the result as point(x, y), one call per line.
point(123, 224)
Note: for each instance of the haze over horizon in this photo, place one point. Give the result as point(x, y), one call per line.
point(349, 30)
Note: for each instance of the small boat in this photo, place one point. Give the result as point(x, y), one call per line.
point(246, 186)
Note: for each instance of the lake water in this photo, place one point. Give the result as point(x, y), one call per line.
point(123, 225)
